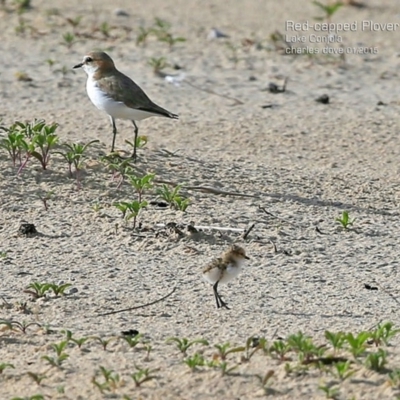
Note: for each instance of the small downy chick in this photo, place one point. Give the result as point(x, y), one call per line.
point(224, 269)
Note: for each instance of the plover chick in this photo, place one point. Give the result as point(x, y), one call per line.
point(224, 269)
point(116, 94)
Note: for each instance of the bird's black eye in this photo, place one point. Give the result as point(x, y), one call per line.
point(89, 59)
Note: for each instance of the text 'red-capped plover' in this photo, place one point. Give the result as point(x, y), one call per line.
point(224, 269)
point(116, 94)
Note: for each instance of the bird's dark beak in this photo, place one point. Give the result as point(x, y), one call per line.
point(247, 258)
point(77, 66)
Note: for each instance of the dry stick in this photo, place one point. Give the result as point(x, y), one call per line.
point(272, 215)
point(236, 101)
point(247, 232)
point(136, 307)
point(216, 228)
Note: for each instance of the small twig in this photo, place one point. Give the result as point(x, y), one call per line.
point(236, 101)
point(215, 228)
point(247, 232)
point(212, 190)
point(272, 215)
point(275, 248)
point(136, 307)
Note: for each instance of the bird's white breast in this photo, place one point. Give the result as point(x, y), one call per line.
point(117, 109)
point(224, 276)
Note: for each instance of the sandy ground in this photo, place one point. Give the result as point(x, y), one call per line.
point(302, 161)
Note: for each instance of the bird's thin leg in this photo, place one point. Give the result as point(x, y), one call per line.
point(220, 302)
point(134, 143)
point(215, 287)
point(114, 133)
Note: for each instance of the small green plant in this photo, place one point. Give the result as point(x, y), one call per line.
point(45, 197)
point(34, 397)
point(376, 361)
point(110, 380)
point(56, 361)
point(383, 333)
point(143, 375)
point(59, 289)
point(394, 378)
point(69, 39)
point(142, 35)
point(173, 197)
point(140, 184)
point(337, 340)
point(60, 347)
point(265, 381)
point(223, 367)
point(132, 341)
point(342, 370)
point(22, 5)
point(131, 210)
point(357, 343)
point(184, 344)
point(4, 366)
point(161, 30)
point(141, 142)
point(225, 349)
point(304, 346)
point(75, 154)
point(158, 64)
point(331, 392)
point(12, 144)
point(195, 361)
point(38, 378)
point(345, 220)
point(45, 140)
point(74, 22)
point(253, 345)
point(105, 29)
point(279, 349)
point(37, 289)
point(104, 342)
point(328, 9)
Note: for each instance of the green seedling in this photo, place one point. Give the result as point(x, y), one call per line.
point(141, 142)
point(120, 168)
point(331, 392)
point(132, 341)
point(383, 333)
point(376, 361)
point(59, 289)
point(195, 361)
point(105, 29)
point(45, 140)
point(131, 210)
point(253, 345)
point(158, 64)
point(38, 378)
point(394, 378)
point(60, 347)
point(104, 342)
point(265, 381)
point(337, 340)
point(4, 366)
point(148, 349)
point(69, 39)
point(223, 366)
point(96, 207)
point(342, 370)
point(75, 154)
point(162, 33)
point(173, 197)
point(37, 289)
point(23, 326)
point(345, 220)
point(184, 344)
point(225, 349)
point(79, 342)
point(143, 375)
point(357, 343)
point(74, 22)
point(111, 380)
point(140, 184)
point(279, 349)
point(45, 197)
point(328, 9)
point(56, 361)
point(13, 145)
point(142, 35)
point(304, 346)
point(3, 255)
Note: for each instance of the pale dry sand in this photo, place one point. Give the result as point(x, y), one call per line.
point(306, 163)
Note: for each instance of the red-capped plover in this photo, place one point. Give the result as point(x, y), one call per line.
point(116, 94)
